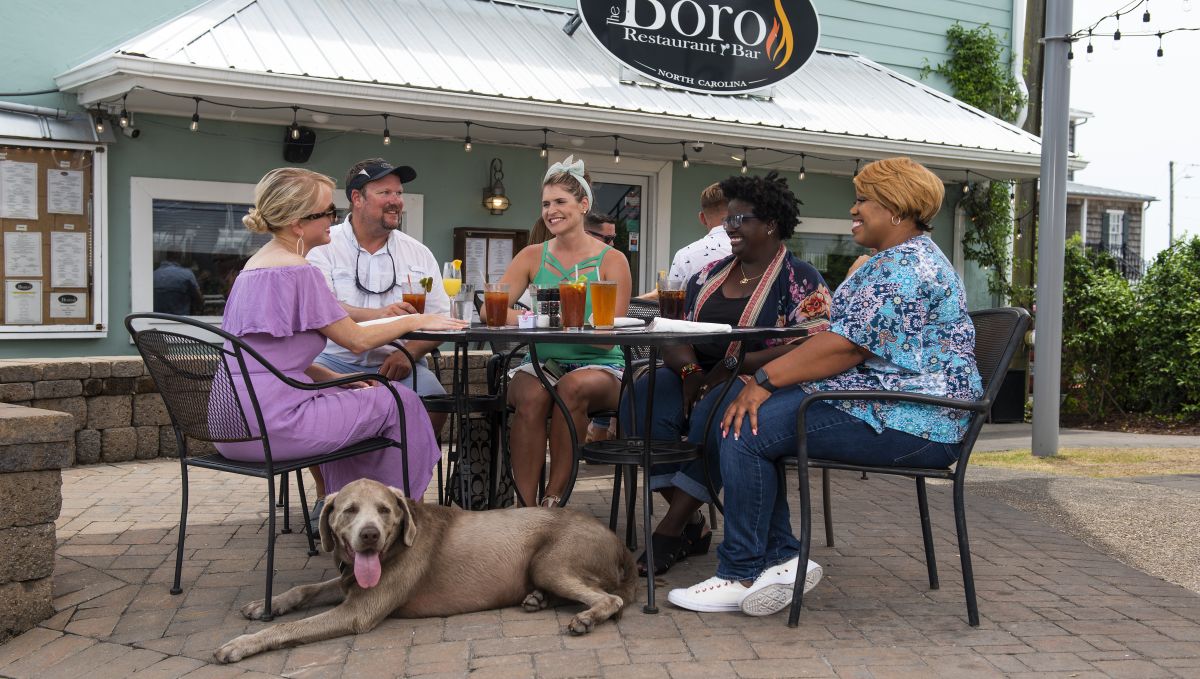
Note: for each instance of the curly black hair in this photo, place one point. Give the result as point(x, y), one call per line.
point(773, 201)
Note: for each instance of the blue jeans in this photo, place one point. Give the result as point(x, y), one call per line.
point(758, 529)
point(669, 424)
point(426, 382)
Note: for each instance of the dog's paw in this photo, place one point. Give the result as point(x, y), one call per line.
point(581, 624)
point(234, 650)
point(254, 609)
point(536, 601)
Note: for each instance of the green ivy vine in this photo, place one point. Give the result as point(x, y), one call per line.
point(979, 76)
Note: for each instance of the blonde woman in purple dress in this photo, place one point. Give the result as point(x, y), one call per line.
point(281, 306)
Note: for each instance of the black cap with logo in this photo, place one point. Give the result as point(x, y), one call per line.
point(373, 171)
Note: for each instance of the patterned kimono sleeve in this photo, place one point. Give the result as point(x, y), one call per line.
point(805, 300)
point(880, 310)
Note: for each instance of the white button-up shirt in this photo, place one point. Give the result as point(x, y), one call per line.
point(402, 258)
point(693, 257)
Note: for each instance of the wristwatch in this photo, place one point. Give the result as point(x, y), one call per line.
point(730, 363)
point(761, 379)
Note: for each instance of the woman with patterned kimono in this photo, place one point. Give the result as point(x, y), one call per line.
point(761, 284)
point(899, 323)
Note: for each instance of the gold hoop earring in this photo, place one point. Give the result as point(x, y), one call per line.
point(299, 246)
point(895, 220)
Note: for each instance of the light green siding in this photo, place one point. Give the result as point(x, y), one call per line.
point(903, 36)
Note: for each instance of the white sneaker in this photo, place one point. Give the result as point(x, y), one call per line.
point(772, 591)
point(714, 595)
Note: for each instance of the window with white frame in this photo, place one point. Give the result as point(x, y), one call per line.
point(188, 243)
point(1115, 223)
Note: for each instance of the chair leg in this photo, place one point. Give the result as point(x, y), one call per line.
point(282, 490)
point(927, 533)
point(616, 499)
point(805, 543)
point(312, 545)
point(631, 507)
point(964, 550)
point(827, 507)
point(283, 502)
point(266, 616)
point(176, 589)
point(648, 528)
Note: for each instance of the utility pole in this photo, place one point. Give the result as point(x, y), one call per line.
point(1052, 225)
point(1171, 204)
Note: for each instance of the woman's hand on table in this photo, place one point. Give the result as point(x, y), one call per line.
point(438, 322)
point(745, 405)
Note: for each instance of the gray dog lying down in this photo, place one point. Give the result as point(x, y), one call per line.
point(413, 560)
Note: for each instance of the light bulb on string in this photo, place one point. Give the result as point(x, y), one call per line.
point(967, 183)
point(683, 146)
point(387, 134)
point(1160, 49)
point(1117, 34)
point(856, 163)
point(1146, 14)
point(745, 160)
point(801, 175)
point(99, 121)
point(1090, 48)
point(616, 151)
point(195, 126)
point(545, 146)
point(123, 120)
point(294, 130)
point(467, 141)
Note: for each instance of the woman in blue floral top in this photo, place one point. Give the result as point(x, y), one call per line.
point(760, 284)
point(899, 323)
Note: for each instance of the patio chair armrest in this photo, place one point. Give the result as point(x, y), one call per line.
point(880, 395)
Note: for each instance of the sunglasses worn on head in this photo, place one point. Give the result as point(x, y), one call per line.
point(609, 240)
point(331, 213)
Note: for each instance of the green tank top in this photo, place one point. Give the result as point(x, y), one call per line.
point(549, 274)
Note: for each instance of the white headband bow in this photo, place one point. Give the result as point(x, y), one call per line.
point(575, 169)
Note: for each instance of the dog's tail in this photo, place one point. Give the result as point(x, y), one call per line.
point(627, 588)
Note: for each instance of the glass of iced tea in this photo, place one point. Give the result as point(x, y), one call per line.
point(414, 294)
point(572, 301)
point(604, 304)
point(672, 297)
point(495, 304)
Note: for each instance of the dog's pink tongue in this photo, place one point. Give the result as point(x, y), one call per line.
point(366, 569)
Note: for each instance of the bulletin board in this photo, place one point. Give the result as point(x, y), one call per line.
point(47, 239)
point(486, 253)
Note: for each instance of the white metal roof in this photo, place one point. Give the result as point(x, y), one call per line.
point(511, 62)
point(1077, 189)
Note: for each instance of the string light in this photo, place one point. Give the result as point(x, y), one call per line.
point(1146, 14)
point(467, 141)
point(683, 148)
point(856, 164)
point(545, 145)
point(123, 120)
point(1090, 49)
point(387, 134)
point(745, 160)
point(1160, 51)
point(616, 151)
point(967, 183)
point(99, 121)
point(1117, 34)
point(801, 167)
point(295, 128)
point(195, 126)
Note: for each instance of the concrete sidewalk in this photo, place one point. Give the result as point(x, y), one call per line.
point(1019, 436)
point(1050, 604)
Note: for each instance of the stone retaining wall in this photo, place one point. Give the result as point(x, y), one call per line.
point(34, 445)
point(116, 411)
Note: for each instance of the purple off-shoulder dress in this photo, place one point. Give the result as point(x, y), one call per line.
point(277, 312)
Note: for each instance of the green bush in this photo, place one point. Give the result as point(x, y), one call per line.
point(1099, 314)
point(1167, 328)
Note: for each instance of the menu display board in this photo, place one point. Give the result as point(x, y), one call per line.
point(47, 227)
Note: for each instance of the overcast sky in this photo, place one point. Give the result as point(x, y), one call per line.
point(1146, 110)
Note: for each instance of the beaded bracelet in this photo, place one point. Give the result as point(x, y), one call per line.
point(689, 369)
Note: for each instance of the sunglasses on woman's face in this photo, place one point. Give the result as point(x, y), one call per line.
point(331, 213)
point(601, 237)
point(735, 221)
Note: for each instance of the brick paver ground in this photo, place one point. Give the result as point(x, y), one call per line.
point(1050, 605)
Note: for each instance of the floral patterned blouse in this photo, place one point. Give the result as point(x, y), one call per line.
point(907, 307)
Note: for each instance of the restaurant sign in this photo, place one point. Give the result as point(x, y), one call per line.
point(712, 46)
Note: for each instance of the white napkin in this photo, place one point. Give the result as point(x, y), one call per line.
point(627, 322)
point(661, 324)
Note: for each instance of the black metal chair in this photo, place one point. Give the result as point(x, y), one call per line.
point(999, 333)
point(198, 388)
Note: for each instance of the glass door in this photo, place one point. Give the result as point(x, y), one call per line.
point(625, 198)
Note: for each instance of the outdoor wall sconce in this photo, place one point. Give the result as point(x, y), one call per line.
point(494, 199)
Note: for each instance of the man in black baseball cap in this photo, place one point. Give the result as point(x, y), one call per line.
point(367, 171)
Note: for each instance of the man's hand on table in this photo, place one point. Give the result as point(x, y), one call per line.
point(393, 309)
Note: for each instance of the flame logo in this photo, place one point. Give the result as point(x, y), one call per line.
point(780, 40)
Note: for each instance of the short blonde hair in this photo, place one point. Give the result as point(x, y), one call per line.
point(283, 196)
point(905, 187)
point(712, 198)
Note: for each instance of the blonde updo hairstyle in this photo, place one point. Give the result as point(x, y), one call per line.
point(283, 196)
point(904, 187)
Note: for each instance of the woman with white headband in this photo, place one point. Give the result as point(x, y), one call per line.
point(591, 374)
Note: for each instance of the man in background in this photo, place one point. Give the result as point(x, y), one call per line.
point(176, 290)
point(694, 256)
